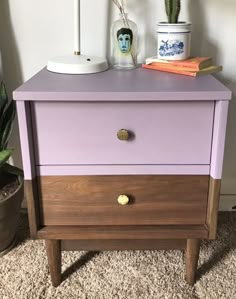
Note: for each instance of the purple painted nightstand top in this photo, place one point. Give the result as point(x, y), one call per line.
point(112, 85)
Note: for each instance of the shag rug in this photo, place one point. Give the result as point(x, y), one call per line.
point(24, 272)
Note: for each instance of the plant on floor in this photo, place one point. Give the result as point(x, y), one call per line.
point(7, 115)
point(11, 177)
point(172, 10)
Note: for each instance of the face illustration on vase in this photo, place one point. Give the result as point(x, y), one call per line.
point(125, 39)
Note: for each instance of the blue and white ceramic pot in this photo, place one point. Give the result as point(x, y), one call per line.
point(174, 40)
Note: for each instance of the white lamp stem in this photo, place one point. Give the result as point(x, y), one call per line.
point(77, 64)
point(77, 27)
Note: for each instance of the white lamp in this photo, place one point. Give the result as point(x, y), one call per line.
point(77, 64)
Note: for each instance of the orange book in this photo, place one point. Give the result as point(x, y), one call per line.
point(206, 71)
point(192, 64)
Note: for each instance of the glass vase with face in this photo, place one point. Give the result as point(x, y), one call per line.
point(124, 43)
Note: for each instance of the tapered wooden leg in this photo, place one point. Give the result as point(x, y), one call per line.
point(53, 248)
point(192, 254)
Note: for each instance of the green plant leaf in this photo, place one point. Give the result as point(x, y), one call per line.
point(13, 170)
point(175, 11)
point(3, 98)
point(169, 6)
point(4, 156)
point(3, 91)
point(6, 124)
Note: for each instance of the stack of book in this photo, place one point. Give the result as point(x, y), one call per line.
point(195, 66)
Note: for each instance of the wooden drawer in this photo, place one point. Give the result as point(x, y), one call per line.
point(86, 133)
point(92, 200)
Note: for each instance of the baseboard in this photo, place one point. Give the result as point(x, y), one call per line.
point(227, 202)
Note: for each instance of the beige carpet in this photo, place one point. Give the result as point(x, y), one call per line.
point(122, 274)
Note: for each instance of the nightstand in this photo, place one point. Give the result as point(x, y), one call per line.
point(122, 160)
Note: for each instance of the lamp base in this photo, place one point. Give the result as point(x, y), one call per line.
point(77, 64)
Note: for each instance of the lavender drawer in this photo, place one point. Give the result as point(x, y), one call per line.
point(80, 133)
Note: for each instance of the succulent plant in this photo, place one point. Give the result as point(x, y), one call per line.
point(172, 10)
point(7, 115)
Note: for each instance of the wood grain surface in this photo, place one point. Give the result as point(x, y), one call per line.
point(123, 232)
point(92, 200)
point(31, 195)
point(73, 245)
point(53, 250)
point(213, 205)
point(191, 258)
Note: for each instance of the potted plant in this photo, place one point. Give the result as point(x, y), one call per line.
point(174, 37)
point(11, 177)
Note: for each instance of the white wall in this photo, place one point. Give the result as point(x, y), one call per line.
point(33, 31)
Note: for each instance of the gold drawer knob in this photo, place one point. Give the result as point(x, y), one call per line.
point(123, 134)
point(123, 199)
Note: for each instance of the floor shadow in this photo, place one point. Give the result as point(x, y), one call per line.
point(225, 242)
point(23, 232)
point(79, 263)
point(215, 259)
